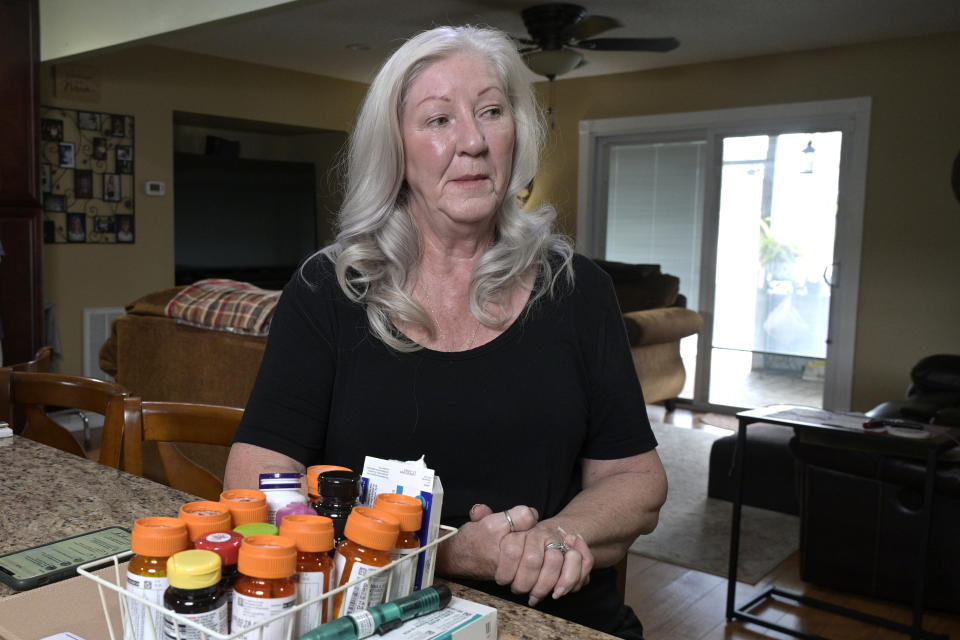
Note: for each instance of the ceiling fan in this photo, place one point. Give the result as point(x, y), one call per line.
point(557, 29)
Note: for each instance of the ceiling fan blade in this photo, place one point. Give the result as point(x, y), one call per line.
point(522, 40)
point(592, 26)
point(629, 44)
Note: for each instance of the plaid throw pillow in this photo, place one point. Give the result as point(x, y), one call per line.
point(225, 305)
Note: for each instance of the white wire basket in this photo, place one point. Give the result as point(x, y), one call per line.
point(255, 632)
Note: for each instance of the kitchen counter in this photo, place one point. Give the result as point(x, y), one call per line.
point(47, 495)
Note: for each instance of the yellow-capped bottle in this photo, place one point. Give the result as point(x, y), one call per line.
point(195, 593)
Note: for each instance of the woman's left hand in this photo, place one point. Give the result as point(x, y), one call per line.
point(529, 565)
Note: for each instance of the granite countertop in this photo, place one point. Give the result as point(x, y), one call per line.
point(47, 495)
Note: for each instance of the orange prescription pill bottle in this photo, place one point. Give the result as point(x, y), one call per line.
point(409, 511)
point(313, 479)
point(266, 586)
point(370, 535)
point(313, 536)
point(203, 517)
point(246, 505)
point(153, 541)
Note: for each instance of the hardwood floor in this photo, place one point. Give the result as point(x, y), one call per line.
point(675, 603)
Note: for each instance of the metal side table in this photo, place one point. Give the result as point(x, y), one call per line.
point(815, 420)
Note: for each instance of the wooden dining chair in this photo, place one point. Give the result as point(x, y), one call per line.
point(30, 393)
point(169, 423)
point(40, 364)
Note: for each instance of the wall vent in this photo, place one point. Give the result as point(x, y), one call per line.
point(96, 330)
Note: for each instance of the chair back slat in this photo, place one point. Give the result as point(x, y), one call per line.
point(188, 476)
point(40, 364)
point(41, 428)
point(30, 393)
point(168, 423)
point(75, 392)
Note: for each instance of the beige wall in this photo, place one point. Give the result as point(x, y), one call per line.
point(910, 271)
point(151, 83)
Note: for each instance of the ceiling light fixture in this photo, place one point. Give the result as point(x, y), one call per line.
point(552, 62)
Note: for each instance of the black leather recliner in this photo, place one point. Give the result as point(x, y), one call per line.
point(933, 395)
point(860, 518)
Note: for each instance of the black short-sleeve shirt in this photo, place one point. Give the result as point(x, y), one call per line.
point(503, 424)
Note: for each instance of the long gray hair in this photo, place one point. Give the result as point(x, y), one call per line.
point(378, 246)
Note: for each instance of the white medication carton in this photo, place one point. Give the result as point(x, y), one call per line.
point(410, 478)
point(459, 620)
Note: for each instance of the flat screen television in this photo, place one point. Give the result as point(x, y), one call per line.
point(243, 219)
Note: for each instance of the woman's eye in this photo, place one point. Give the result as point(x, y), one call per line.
point(492, 112)
point(439, 121)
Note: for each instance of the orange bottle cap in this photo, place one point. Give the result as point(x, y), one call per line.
point(246, 505)
point(203, 517)
point(310, 533)
point(313, 476)
point(267, 557)
point(372, 528)
point(158, 537)
point(407, 509)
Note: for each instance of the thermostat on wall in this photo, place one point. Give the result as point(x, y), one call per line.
point(154, 188)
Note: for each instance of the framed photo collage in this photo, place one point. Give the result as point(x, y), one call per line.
point(86, 176)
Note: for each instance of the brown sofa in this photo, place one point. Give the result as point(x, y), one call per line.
point(656, 317)
point(158, 359)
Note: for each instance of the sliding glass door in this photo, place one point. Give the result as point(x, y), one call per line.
point(748, 216)
point(655, 215)
point(775, 247)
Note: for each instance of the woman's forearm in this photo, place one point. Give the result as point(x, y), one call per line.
point(247, 462)
point(615, 506)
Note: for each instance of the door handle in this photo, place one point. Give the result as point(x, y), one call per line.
point(829, 273)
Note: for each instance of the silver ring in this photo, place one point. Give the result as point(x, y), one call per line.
point(561, 546)
point(513, 527)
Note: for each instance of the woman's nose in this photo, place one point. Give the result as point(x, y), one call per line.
point(471, 138)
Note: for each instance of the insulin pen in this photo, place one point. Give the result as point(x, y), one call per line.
point(384, 617)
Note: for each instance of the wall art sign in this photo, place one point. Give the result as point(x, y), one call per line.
point(86, 176)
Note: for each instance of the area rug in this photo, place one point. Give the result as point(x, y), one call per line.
point(694, 530)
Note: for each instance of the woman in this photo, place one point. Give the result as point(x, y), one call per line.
point(446, 321)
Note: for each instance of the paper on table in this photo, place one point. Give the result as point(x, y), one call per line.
point(842, 420)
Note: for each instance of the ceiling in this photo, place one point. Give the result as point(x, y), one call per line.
point(349, 39)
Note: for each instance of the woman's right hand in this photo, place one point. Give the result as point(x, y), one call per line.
point(475, 551)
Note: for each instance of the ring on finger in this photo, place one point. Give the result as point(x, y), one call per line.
point(510, 521)
point(561, 546)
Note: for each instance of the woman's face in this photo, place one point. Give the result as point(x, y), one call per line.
point(458, 136)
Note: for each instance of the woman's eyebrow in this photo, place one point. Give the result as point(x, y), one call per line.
point(442, 97)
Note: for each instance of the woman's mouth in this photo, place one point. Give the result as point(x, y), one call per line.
point(470, 180)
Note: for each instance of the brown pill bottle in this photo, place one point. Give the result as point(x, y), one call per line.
point(316, 572)
point(153, 541)
point(313, 480)
point(266, 585)
point(246, 505)
point(203, 517)
point(409, 511)
point(370, 536)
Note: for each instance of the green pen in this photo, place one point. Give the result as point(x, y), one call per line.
point(384, 617)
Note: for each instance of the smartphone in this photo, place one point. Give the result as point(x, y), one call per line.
point(55, 561)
